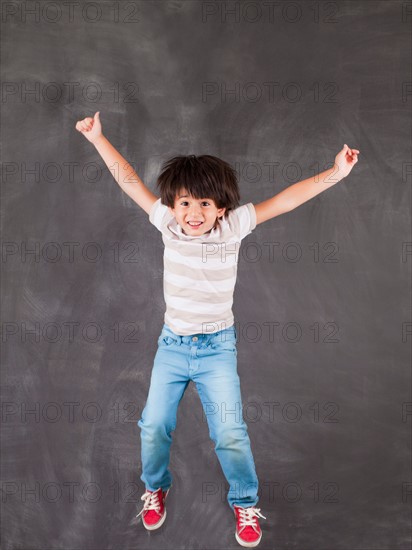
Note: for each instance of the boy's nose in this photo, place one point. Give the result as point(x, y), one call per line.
point(195, 214)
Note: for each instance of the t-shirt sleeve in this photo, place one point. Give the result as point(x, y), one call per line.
point(157, 213)
point(246, 215)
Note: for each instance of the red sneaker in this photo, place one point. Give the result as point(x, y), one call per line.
point(154, 510)
point(248, 532)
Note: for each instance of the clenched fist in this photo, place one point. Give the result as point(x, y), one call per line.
point(91, 128)
point(345, 160)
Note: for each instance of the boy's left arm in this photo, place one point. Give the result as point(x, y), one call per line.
point(302, 191)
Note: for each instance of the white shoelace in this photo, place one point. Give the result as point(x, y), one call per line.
point(248, 517)
point(151, 502)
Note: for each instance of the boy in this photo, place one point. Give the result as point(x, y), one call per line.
point(202, 226)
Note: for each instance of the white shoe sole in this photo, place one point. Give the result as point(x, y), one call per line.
point(156, 525)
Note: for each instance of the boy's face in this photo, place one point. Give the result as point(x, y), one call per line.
point(188, 209)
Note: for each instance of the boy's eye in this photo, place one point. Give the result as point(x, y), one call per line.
point(185, 202)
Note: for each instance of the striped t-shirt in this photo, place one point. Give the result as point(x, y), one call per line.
point(200, 271)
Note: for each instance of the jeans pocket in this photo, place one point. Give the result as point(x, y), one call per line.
point(165, 339)
point(224, 342)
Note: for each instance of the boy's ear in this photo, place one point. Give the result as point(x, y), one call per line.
point(220, 212)
point(171, 210)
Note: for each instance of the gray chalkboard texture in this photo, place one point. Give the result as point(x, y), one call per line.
point(322, 299)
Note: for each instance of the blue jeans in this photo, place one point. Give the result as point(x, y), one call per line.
point(210, 360)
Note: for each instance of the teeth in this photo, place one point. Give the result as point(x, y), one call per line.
point(195, 224)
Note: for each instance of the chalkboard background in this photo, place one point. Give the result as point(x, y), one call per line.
point(322, 300)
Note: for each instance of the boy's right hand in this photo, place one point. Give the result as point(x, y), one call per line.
point(91, 128)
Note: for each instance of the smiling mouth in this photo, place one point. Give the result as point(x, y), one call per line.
point(195, 225)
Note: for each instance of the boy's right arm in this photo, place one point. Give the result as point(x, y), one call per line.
point(121, 170)
point(124, 174)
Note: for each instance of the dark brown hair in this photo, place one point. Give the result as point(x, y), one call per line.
point(203, 176)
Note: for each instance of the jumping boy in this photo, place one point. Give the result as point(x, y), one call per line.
point(202, 226)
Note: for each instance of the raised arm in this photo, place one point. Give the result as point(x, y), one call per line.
point(121, 170)
point(302, 191)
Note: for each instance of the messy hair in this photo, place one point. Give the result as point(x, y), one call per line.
point(203, 176)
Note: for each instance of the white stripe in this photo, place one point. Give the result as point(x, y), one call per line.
point(214, 263)
point(190, 328)
point(186, 304)
point(182, 282)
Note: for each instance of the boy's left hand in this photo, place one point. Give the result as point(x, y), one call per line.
point(345, 160)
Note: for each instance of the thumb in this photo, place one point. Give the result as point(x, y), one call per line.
point(97, 116)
